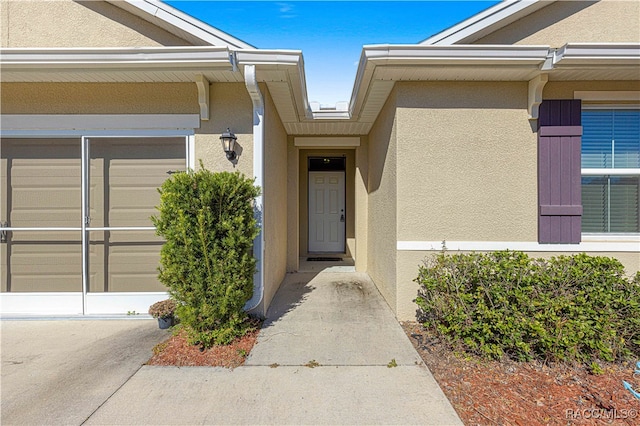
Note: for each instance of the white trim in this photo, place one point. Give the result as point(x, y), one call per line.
point(536, 85)
point(116, 58)
point(70, 303)
point(191, 152)
point(203, 96)
point(327, 141)
point(122, 228)
point(66, 122)
point(122, 302)
point(606, 95)
point(605, 54)
point(257, 100)
point(610, 172)
point(612, 237)
point(487, 54)
point(585, 246)
point(67, 303)
point(485, 22)
point(175, 19)
point(76, 133)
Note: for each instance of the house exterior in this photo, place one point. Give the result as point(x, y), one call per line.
point(515, 129)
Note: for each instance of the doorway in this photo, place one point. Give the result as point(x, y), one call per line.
point(327, 207)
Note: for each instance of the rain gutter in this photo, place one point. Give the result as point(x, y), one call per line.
point(258, 172)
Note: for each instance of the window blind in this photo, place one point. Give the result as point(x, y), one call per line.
point(611, 140)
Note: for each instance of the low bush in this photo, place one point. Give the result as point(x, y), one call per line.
point(207, 220)
point(568, 308)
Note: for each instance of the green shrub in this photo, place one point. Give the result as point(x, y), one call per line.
point(207, 220)
point(567, 308)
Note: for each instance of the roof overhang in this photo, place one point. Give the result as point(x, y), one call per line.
point(596, 61)
point(383, 65)
point(281, 70)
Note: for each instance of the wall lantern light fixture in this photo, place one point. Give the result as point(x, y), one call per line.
point(228, 140)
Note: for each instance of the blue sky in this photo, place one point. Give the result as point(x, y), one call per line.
point(330, 33)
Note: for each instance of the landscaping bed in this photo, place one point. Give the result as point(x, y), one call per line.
point(492, 392)
point(176, 351)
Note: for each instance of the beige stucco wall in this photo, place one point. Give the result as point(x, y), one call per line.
point(99, 98)
point(466, 162)
point(361, 205)
point(229, 107)
point(382, 202)
point(67, 23)
point(566, 89)
point(275, 200)
point(467, 171)
point(573, 21)
point(293, 205)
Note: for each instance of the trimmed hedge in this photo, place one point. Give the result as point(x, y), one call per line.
point(207, 220)
point(567, 308)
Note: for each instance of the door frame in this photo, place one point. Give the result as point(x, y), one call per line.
point(21, 302)
point(316, 169)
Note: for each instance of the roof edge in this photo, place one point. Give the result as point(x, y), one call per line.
point(487, 21)
point(176, 21)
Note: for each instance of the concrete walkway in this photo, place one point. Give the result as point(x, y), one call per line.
point(59, 372)
point(322, 357)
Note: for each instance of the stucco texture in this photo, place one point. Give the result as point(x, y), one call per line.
point(230, 107)
point(382, 202)
point(99, 98)
point(571, 22)
point(275, 201)
point(67, 23)
point(566, 89)
point(467, 162)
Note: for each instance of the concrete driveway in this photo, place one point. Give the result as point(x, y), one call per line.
point(60, 372)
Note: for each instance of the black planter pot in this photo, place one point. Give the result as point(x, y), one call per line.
point(165, 323)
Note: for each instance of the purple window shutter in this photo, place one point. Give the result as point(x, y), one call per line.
point(559, 180)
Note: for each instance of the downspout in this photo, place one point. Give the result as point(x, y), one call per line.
point(258, 173)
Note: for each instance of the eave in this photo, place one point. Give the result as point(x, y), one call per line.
point(153, 64)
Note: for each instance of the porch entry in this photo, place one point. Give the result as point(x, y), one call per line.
point(76, 213)
point(327, 215)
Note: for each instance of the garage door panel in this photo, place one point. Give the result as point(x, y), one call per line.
point(43, 267)
point(134, 268)
point(132, 172)
point(41, 188)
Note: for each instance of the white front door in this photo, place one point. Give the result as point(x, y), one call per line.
point(326, 212)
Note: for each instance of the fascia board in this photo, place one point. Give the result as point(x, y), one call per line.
point(269, 57)
point(364, 74)
point(597, 54)
point(425, 55)
point(289, 60)
point(485, 22)
point(459, 54)
point(175, 18)
point(121, 57)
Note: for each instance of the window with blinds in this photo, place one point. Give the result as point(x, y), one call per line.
point(610, 164)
